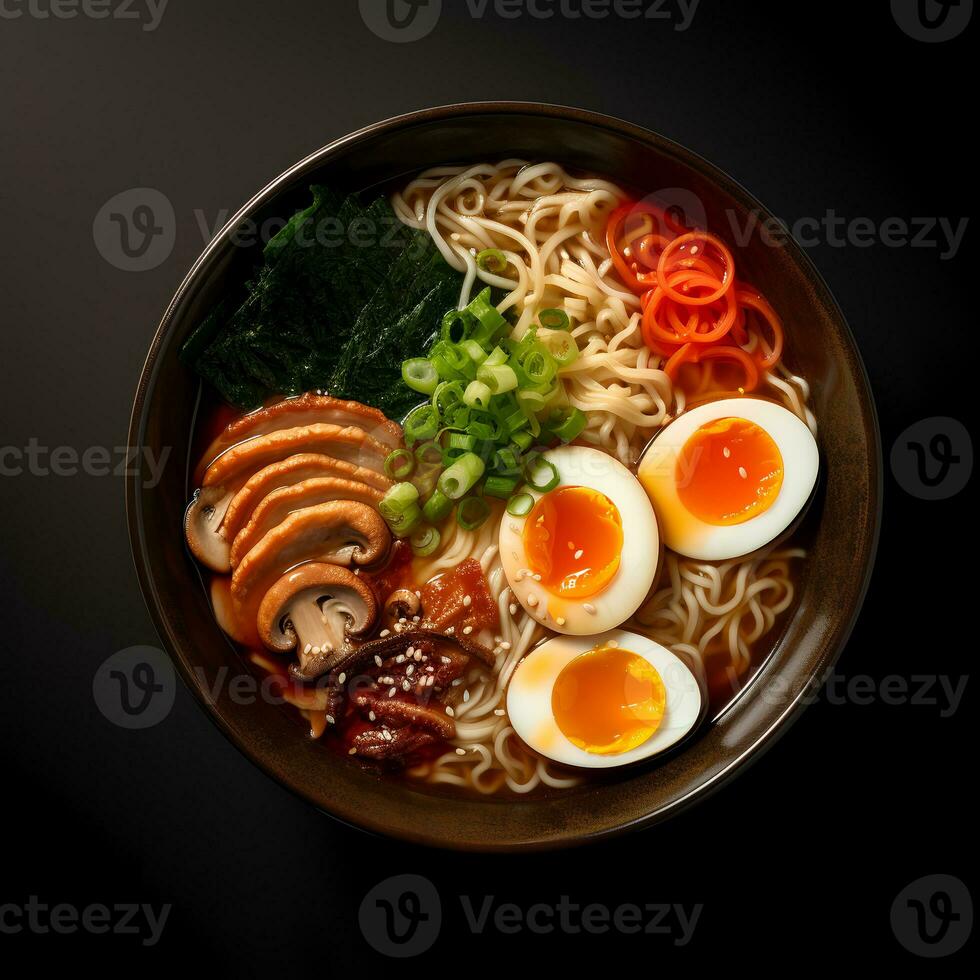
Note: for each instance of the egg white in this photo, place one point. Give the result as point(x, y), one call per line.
point(584, 467)
point(687, 534)
point(530, 690)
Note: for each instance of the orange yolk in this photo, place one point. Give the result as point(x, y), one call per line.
point(608, 701)
point(729, 471)
point(573, 539)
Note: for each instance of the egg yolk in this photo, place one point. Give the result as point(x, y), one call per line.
point(608, 701)
point(728, 472)
point(573, 539)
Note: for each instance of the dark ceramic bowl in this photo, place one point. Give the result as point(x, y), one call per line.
point(820, 347)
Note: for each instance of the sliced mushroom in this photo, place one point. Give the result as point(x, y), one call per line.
point(396, 643)
point(400, 713)
point(315, 609)
point(279, 504)
point(402, 604)
point(383, 745)
point(340, 532)
point(307, 409)
point(229, 474)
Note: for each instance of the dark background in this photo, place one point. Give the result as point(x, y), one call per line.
point(812, 107)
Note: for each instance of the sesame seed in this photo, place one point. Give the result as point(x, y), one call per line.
point(499, 712)
point(560, 620)
point(418, 595)
point(571, 545)
point(352, 751)
point(457, 682)
point(377, 660)
point(467, 601)
point(742, 473)
point(372, 716)
point(315, 651)
point(400, 658)
point(409, 670)
point(613, 643)
point(330, 720)
point(589, 608)
point(467, 630)
point(727, 453)
point(410, 652)
point(402, 619)
point(391, 692)
point(385, 633)
point(532, 600)
point(418, 655)
point(504, 645)
point(451, 630)
point(466, 696)
point(578, 554)
point(307, 648)
point(342, 678)
point(406, 685)
point(461, 752)
point(450, 712)
point(445, 660)
point(415, 619)
point(537, 578)
point(513, 609)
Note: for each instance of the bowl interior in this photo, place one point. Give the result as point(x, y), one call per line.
point(820, 348)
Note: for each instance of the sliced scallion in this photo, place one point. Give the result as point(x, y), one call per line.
point(520, 505)
point(420, 374)
point(400, 464)
point(472, 512)
point(437, 507)
point(462, 476)
point(425, 541)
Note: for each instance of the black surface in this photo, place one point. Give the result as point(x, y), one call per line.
point(813, 109)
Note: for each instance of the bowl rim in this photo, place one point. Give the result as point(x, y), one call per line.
point(142, 560)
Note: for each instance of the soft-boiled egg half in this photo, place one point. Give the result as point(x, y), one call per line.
point(584, 558)
point(603, 701)
point(728, 477)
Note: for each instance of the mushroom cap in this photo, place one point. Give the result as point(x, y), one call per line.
point(278, 505)
point(312, 583)
point(202, 528)
point(340, 532)
point(306, 409)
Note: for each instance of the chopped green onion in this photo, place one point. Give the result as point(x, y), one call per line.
point(553, 319)
point(568, 425)
point(541, 474)
point(404, 524)
point(455, 326)
point(428, 454)
point(472, 512)
point(497, 356)
point(398, 499)
point(420, 374)
point(462, 476)
point(437, 507)
point(506, 461)
point(473, 351)
point(492, 260)
point(449, 361)
point(461, 440)
point(400, 464)
point(477, 395)
point(562, 348)
point(498, 378)
point(421, 425)
point(425, 541)
point(491, 323)
point(523, 440)
point(520, 505)
point(447, 396)
point(500, 486)
point(539, 365)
